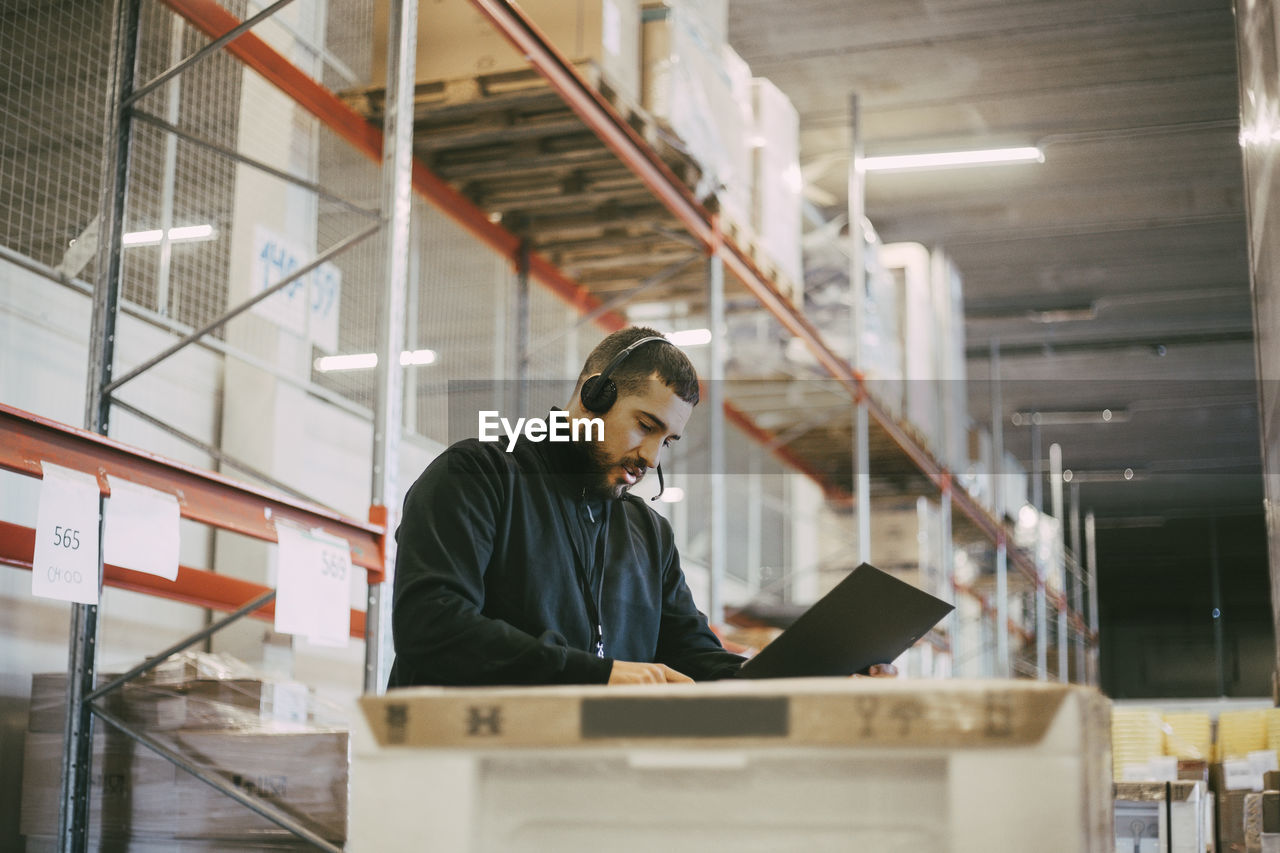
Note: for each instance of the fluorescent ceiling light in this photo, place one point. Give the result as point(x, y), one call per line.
point(355, 361)
point(181, 234)
point(418, 356)
point(952, 159)
point(367, 360)
point(690, 337)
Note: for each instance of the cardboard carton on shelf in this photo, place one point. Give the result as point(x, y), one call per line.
point(700, 90)
point(455, 40)
point(164, 705)
point(135, 793)
point(776, 182)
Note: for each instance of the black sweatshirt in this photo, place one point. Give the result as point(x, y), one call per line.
point(498, 574)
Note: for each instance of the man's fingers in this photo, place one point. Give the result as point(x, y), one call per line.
point(630, 672)
point(675, 677)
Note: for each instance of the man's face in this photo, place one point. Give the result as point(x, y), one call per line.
point(636, 429)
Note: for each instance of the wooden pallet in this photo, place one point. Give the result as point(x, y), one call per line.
point(510, 144)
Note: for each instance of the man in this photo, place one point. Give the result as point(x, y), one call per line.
point(535, 565)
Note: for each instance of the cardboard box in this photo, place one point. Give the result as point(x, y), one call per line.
point(455, 40)
point(166, 705)
point(48, 709)
point(803, 764)
point(1161, 817)
point(777, 183)
point(692, 83)
point(135, 792)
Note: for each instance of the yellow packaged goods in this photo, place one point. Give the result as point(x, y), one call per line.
point(1188, 734)
point(1137, 736)
point(792, 764)
point(1240, 733)
point(455, 40)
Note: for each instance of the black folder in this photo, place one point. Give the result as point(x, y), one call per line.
point(870, 617)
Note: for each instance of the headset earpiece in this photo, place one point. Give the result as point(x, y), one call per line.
point(599, 393)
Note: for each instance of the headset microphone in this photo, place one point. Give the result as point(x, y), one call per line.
point(662, 487)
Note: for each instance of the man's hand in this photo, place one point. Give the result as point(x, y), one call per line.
point(879, 670)
point(630, 672)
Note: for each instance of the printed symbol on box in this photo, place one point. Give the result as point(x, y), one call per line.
point(866, 706)
point(999, 716)
point(262, 786)
point(484, 721)
point(397, 722)
point(907, 713)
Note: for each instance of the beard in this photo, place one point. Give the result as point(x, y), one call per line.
point(599, 468)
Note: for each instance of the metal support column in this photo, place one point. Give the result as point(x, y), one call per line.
point(1077, 585)
point(77, 753)
point(1055, 493)
point(858, 292)
point(947, 556)
point(1042, 610)
point(524, 328)
point(1004, 667)
point(1091, 562)
point(1215, 579)
point(719, 354)
point(388, 409)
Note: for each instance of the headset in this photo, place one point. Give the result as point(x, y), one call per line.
point(599, 393)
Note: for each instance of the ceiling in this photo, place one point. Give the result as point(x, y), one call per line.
point(1112, 276)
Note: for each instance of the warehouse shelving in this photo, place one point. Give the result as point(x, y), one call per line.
point(202, 496)
point(895, 445)
point(891, 442)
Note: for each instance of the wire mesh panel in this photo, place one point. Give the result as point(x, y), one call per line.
point(55, 57)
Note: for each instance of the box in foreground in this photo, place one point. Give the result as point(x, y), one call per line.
point(821, 764)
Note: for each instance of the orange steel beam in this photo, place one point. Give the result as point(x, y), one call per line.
point(26, 440)
point(193, 586)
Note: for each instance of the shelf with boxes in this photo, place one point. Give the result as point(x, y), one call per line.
point(137, 705)
point(482, 116)
point(266, 737)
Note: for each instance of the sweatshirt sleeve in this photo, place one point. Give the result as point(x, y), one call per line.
point(686, 642)
point(453, 516)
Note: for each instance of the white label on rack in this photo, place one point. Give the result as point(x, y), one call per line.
point(140, 529)
point(294, 557)
point(312, 583)
point(65, 564)
point(333, 595)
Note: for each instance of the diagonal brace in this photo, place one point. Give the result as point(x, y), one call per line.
point(304, 270)
point(216, 44)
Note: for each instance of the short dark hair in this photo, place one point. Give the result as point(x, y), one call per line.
point(665, 359)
